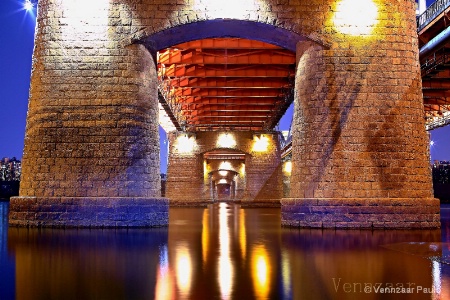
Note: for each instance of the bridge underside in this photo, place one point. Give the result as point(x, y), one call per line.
point(101, 76)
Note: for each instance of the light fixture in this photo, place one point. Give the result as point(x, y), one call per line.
point(261, 143)
point(223, 173)
point(356, 17)
point(287, 167)
point(28, 5)
point(185, 143)
point(230, 9)
point(226, 140)
point(225, 165)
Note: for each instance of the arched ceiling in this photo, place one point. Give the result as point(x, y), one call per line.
point(225, 84)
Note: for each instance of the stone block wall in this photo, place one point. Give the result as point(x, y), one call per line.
point(361, 213)
point(92, 124)
point(99, 212)
point(359, 138)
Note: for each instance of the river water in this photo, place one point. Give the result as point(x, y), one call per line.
point(224, 252)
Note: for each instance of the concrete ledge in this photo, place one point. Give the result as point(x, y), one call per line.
point(242, 203)
point(382, 213)
point(189, 203)
point(261, 203)
point(88, 212)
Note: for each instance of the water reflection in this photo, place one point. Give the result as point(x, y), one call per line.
point(224, 252)
point(225, 265)
point(7, 267)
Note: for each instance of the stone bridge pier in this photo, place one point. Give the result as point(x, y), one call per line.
point(360, 155)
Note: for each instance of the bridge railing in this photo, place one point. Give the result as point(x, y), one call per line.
point(431, 13)
point(434, 10)
point(437, 122)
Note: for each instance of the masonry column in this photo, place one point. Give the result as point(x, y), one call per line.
point(360, 151)
point(91, 154)
point(185, 186)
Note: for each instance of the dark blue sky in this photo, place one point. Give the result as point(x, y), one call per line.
point(16, 48)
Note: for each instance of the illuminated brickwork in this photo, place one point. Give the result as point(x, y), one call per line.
point(258, 176)
point(359, 133)
point(360, 152)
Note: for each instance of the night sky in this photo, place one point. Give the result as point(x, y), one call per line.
point(16, 48)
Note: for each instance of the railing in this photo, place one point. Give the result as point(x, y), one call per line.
point(438, 122)
point(433, 61)
point(172, 106)
point(434, 10)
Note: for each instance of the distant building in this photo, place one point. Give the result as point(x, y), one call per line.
point(441, 172)
point(10, 169)
point(441, 180)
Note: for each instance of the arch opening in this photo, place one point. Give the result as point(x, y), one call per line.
point(225, 174)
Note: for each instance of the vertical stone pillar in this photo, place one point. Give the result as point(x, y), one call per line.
point(264, 173)
point(91, 154)
point(360, 150)
point(185, 185)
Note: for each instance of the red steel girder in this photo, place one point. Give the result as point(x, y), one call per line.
point(225, 57)
point(226, 71)
point(228, 92)
point(220, 82)
point(228, 43)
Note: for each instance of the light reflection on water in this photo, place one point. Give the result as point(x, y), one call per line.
point(222, 252)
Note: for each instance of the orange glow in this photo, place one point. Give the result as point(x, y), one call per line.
point(183, 267)
point(165, 285)
point(242, 234)
point(261, 271)
point(205, 235)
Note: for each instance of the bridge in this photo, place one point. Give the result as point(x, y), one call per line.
point(236, 84)
point(221, 74)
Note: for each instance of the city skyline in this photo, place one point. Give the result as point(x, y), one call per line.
point(17, 42)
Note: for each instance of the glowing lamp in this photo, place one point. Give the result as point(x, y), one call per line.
point(356, 17)
point(185, 144)
point(230, 9)
point(261, 143)
point(287, 168)
point(223, 173)
point(226, 140)
point(225, 165)
point(28, 5)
